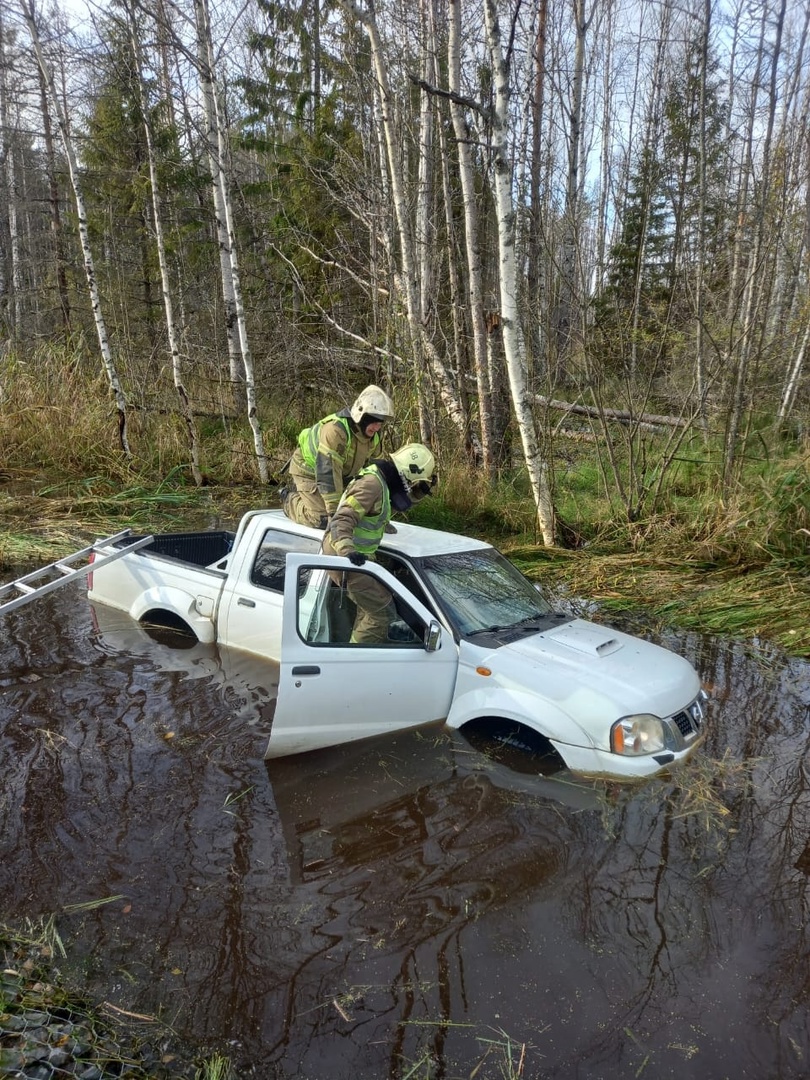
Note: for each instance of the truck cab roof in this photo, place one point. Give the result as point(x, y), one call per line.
point(413, 541)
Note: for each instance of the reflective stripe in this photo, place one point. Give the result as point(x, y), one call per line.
point(369, 530)
point(309, 442)
point(309, 439)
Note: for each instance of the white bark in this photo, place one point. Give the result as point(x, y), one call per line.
point(407, 276)
point(510, 322)
point(7, 153)
point(567, 321)
point(213, 101)
point(752, 288)
point(171, 329)
point(792, 381)
point(84, 236)
point(216, 165)
point(471, 240)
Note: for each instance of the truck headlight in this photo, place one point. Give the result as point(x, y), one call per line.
point(636, 735)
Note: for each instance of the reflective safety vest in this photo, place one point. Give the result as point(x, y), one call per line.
point(369, 531)
point(310, 438)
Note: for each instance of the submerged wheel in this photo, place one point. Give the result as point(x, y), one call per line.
point(168, 628)
point(513, 744)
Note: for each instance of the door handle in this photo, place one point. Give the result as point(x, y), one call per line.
point(306, 669)
point(245, 602)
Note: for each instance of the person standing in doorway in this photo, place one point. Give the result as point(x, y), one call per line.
point(330, 453)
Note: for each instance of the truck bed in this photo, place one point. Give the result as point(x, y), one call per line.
point(202, 549)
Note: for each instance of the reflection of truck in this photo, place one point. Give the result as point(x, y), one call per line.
point(473, 644)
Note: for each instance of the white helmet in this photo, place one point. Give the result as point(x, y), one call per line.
point(372, 402)
point(414, 462)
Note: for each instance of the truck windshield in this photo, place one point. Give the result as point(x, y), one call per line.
point(482, 591)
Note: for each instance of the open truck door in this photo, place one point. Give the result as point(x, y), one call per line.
point(333, 691)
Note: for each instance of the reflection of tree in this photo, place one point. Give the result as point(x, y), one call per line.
point(681, 890)
point(400, 886)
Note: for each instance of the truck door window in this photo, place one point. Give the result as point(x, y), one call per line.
point(268, 567)
point(327, 612)
point(404, 575)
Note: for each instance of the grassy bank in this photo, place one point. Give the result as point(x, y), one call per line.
point(687, 557)
point(746, 592)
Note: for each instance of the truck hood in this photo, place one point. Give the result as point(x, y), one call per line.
point(595, 673)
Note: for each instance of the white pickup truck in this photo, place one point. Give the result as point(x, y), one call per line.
point(474, 644)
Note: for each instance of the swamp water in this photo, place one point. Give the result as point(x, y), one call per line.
point(410, 906)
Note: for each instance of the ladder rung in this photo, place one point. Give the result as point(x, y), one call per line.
point(70, 573)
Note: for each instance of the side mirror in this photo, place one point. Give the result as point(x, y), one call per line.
point(433, 636)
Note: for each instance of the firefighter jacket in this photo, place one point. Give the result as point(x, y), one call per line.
point(333, 451)
point(368, 502)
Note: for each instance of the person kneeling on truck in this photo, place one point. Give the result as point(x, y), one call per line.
point(360, 521)
point(330, 453)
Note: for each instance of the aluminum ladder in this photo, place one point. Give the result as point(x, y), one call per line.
point(27, 590)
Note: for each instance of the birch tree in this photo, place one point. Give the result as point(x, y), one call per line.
point(29, 15)
point(219, 193)
point(222, 202)
point(55, 213)
point(752, 284)
point(513, 342)
point(471, 239)
point(168, 306)
point(567, 320)
point(407, 277)
point(7, 157)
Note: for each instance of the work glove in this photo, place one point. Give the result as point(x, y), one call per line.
point(357, 558)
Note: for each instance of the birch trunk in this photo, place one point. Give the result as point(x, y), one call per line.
point(567, 321)
point(651, 135)
point(15, 319)
point(84, 236)
point(471, 243)
point(792, 382)
point(407, 282)
point(752, 288)
point(700, 373)
point(171, 329)
point(510, 323)
point(214, 104)
point(535, 271)
point(57, 232)
point(424, 230)
point(215, 164)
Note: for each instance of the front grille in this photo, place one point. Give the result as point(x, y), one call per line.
point(690, 720)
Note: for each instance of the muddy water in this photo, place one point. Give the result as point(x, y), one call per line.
point(408, 907)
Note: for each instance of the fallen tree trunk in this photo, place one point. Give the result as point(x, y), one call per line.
point(646, 420)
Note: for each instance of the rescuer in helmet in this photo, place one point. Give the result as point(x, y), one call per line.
point(331, 452)
point(362, 517)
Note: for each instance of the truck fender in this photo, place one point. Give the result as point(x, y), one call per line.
point(182, 604)
point(533, 712)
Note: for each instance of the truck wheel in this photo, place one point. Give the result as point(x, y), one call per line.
point(513, 744)
point(168, 628)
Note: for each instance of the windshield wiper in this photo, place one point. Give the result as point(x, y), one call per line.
point(529, 623)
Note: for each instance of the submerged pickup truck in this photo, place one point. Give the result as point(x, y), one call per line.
point(474, 644)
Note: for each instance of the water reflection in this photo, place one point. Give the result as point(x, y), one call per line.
point(358, 910)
